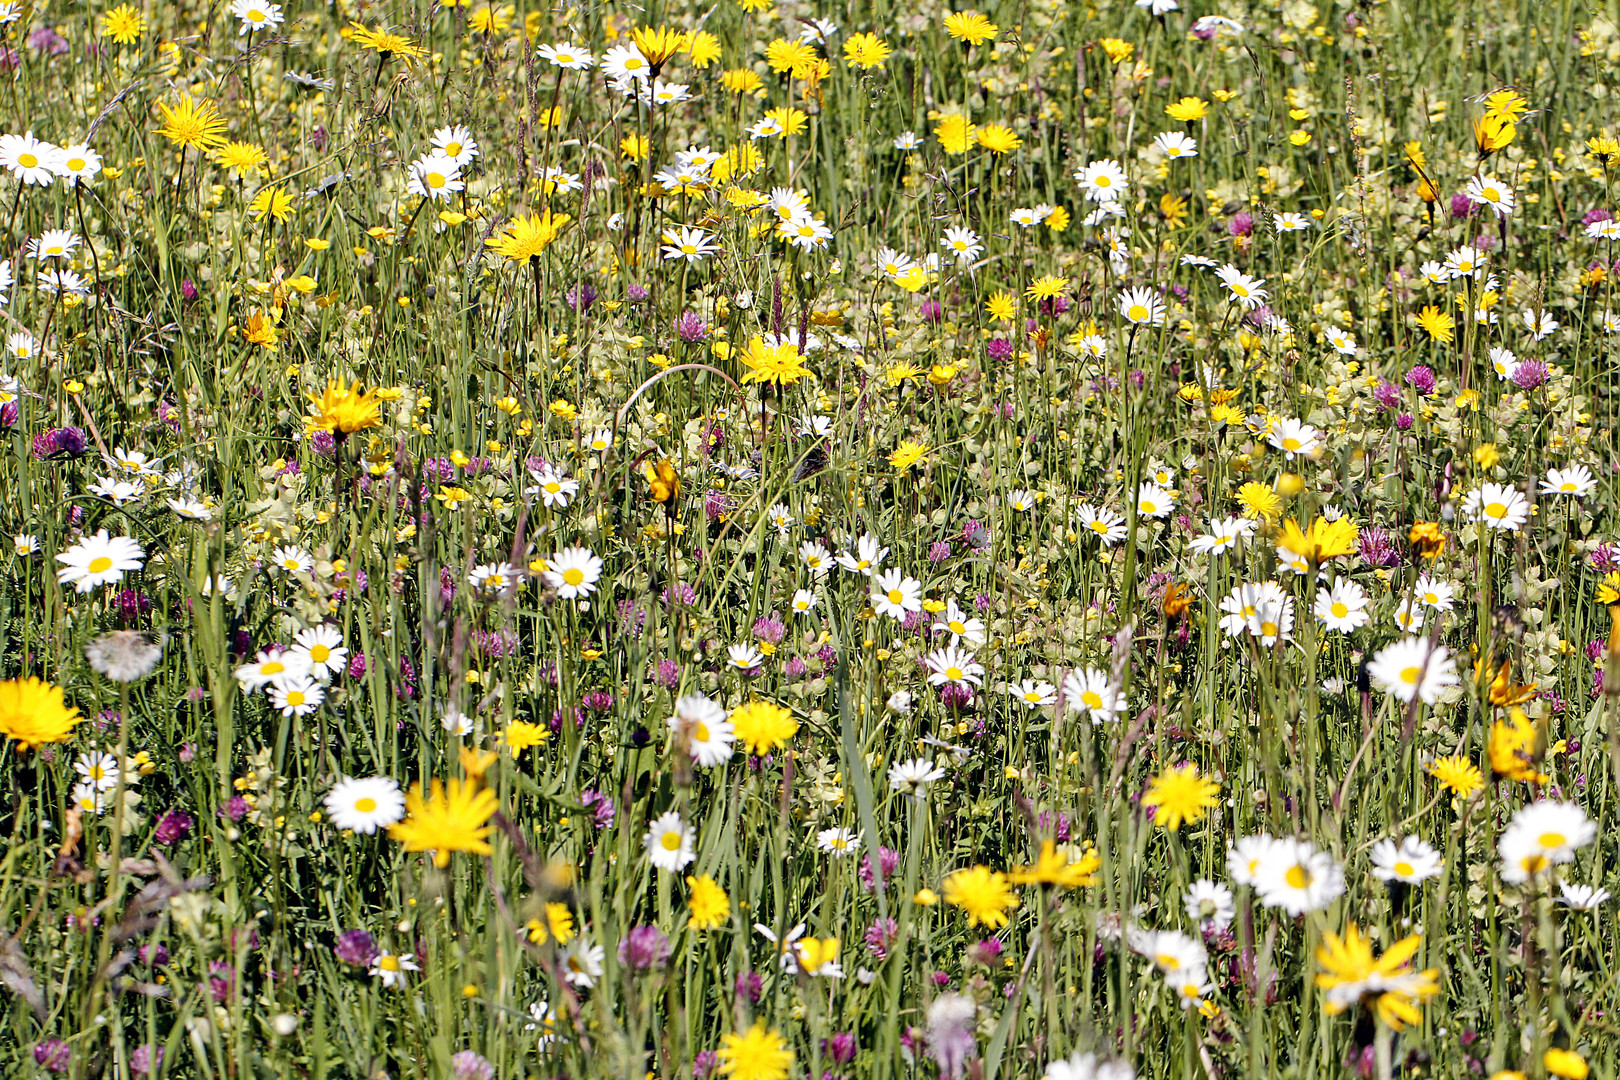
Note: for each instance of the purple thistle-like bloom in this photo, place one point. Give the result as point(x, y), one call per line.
point(1404, 421)
point(1461, 206)
point(1530, 374)
point(1605, 558)
point(668, 674)
point(888, 862)
point(357, 665)
point(600, 804)
point(356, 947)
point(939, 552)
point(1242, 223)
point(172, 827)
point(1377, 549)
point(53, 1054)
point(235, 809)
point(60, 442)
point(703, 1064)
point(643, 947)
point(931, 311)
point(998, 349)
point(145, 1059)
point(955, 696)
point(690, 327)
point(471, 1065)
point(1592, 217)
point(1387, 395)
point(840, 1048)
point(770, 628)
point(880, 935)
point(599, 701)
point(1421, 379)
point(750, 986)
point(637, 293)
point(323, 443)
point(796, 669)
point(581, 296)
point(717, 504)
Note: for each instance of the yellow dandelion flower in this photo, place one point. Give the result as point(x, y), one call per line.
point(192, 123)
point(452, 818)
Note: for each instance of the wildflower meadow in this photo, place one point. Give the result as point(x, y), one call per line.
point(768, 539)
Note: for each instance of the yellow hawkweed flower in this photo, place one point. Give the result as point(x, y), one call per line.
point(1181, 794)
point(33, 712)
point(385, 44)
point(971, 27)
point(780, 364)
point(866, 51)
point(1052, 867)
point(192, 123)
point(1187, 109)
point(124, 24)
point(983, 893)
point(1386, 985)
point(343, 411)
point(452, 818)
point(525, 237)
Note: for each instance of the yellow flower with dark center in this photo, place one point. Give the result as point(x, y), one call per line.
point(1052, 867)
point(384, 43)
point(907, 454)
point(192, 123)
point(971, 27)
point(866, 51)
point(1493, 132)
point(1187, 109)
point(33, 712)
point(520, 735)
point(707, 903)
point(756, 1054)
point(1322, 541)
point(659, 44)
point(453, 817)
point(1387, 985)
point(1181, 794)
point(343, 410)
point(1439, 325)
point(998, 139)
point(1604, 148)
point(761, 727)
point(780, 364)
point(983, 893)
point(1413, 152)
point(525, 237)
point(124, 24)
point(1457, 775)
point(1173, 208)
